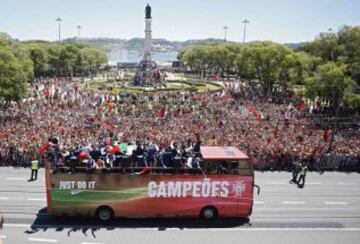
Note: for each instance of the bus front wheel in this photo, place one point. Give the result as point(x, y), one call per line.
point(209, 213)
point(104, 213)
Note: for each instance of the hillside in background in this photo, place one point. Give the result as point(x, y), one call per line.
point(159, 45)
point(137, 44)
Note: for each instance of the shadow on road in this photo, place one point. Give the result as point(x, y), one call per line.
point(89, 226)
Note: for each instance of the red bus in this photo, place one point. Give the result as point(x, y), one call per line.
point(222, 186)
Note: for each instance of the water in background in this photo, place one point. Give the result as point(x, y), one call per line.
point(134, 56)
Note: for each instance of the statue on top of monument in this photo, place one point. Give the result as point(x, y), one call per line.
point(148, 12)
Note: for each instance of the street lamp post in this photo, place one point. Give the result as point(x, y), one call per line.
point(59, 20)
point(245, 22)
point(336, 99)
point(78, 33)
point(225, 30)
point(330, 30)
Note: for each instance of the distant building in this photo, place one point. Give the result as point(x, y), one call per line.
point(126, 65)
point(176, 64)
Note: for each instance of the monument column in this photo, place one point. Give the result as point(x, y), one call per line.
point(147, 51)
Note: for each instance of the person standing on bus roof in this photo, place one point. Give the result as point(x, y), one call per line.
point(196, 148)
point(303, 172)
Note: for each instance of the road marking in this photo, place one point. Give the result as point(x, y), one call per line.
point(36, 199)
point(278, 229)
point(314, 183)
point(17, 225)
point(336, 203)
point(2, 237)
point(91, 243)
point(43, 240)
point(15, 178)
point(346, 184)
point(4, 198)
point(258, 202)
point(276, 183)
point(208, 229)
point(294, 202)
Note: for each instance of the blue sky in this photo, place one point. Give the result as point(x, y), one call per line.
point(277, 20)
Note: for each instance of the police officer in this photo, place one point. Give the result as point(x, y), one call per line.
point(34, 169)
point(295, 172)
point(1, 221)
point(1, 224)
point(303, 172)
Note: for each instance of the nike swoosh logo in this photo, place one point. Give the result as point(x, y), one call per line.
point(75, 192)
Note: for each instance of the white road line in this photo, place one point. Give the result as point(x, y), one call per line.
point(91, 243)
point(293, 202)
point(336, 203)
point(4, 198)
point(346, 184)
point(276, 183)
point(278, 229)
point(36, 199)
point(258, 202)
point(17, 225)
point(209, 229)
point(43, 240)
point(2, 237)
point(314, 183)
point(11, 178)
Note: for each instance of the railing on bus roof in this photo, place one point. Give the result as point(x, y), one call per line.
point(159, 170)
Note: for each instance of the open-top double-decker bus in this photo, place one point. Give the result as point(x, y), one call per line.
point(221, 186)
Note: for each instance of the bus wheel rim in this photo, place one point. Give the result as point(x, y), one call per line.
point(104, 214)
point(208, 213)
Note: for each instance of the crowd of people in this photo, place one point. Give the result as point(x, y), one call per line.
point(63, 117)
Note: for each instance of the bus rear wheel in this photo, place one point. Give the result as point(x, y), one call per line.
point(104, 213)
point(209, 213)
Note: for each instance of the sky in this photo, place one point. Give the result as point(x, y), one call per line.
point(283, 21)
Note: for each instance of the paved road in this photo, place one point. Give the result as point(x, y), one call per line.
point(326, 210)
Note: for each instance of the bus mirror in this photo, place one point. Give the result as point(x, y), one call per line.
point(258, 189)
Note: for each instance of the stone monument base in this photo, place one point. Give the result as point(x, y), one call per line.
point(147, 74)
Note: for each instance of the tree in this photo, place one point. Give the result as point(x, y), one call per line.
point(342, 47)
point(5, 39)
point(353, 100)
point(330, 82)
point(12, 76)
point(24, 61)
point(67, 59)
point(53, 52)
point(295, 68)
point(39, 57)
point(224, 56)
point(52, 58)
point(324, 46)
point(263, 61)
point(201, 58)
point(187, 57)
point(93, 58)
point(349, 40)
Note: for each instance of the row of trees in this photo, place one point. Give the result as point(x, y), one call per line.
point(329, 67)
point(23, 61)
point(54, 59)
point(16, 68)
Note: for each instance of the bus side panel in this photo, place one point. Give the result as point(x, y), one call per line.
point(151, 195)
point(236, 203)
point(82, 194)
